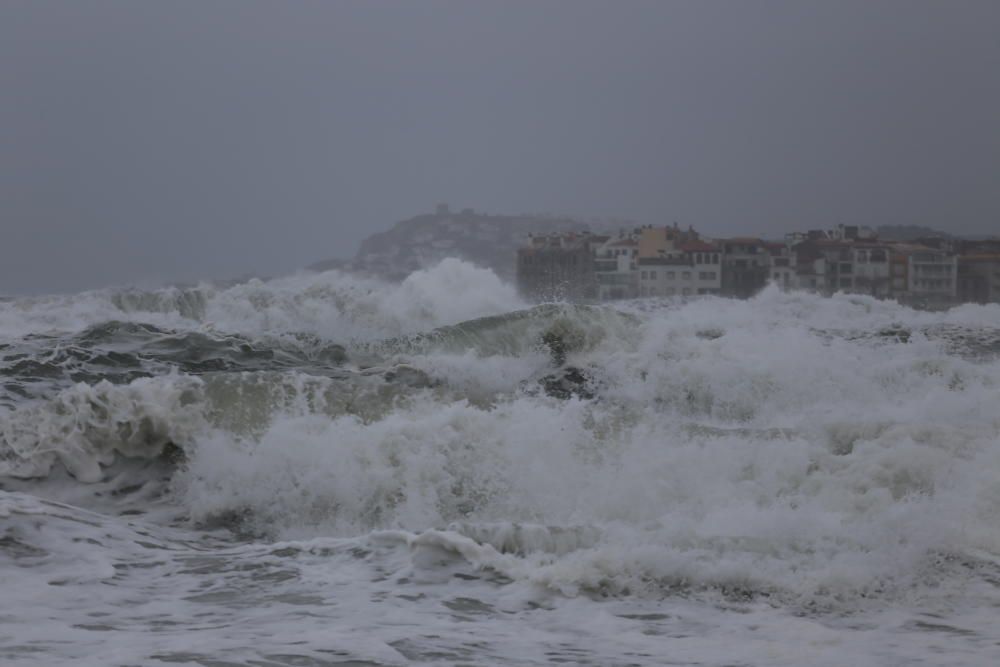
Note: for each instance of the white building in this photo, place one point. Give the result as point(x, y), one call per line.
point(695, 269)
point(829, 266)
point(615, 268)
point(783, 266)
point(932, 274)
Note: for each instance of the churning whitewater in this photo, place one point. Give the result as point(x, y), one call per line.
point(330, 470)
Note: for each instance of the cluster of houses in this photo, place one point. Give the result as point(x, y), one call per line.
point(669, 261)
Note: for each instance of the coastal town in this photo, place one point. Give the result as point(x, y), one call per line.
point(666, 261)
point(560, 257)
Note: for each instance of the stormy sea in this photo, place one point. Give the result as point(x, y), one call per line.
point(325, 469)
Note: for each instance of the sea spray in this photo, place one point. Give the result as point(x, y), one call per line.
point(326, 454)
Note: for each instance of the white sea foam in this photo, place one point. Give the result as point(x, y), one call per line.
point(781, 457)
point(333, 305)
point(763, 456)
point(87, 426)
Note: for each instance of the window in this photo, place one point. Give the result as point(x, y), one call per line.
point(686, 275)
point(706, 275)
point(643, 276)
point(687, 290)
point(670, 275)
point(671, 291)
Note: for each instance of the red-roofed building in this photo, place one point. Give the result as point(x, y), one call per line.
point(693, 267)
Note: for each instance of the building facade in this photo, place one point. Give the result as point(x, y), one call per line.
point(558, 267)
point(671, 262)
point(932, 276)
point(746, 267)
point(615, 268)
point(692, 268)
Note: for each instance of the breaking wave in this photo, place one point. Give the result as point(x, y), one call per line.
point(333, 305)
point(805, 448)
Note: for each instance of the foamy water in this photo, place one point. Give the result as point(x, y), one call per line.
point(327, 470)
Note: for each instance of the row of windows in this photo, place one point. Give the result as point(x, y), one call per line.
point(528, 260)
point(673, 291)
point(874, 256)
point(614, 279)
point(653, 274)
point(934, 269)
point(706, 258)
point(932, 284)
point(743, 264)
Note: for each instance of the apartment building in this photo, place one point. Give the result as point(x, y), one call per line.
point(692, 268)
point(979, 271)
point(558, 266)
point(932, 275)
point(746, 264)
point(615, 268)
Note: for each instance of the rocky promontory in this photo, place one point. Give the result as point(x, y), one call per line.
point(489, 241)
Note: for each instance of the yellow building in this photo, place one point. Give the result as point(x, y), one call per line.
point(663, 241)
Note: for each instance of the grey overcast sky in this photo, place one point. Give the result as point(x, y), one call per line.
point(150, 141)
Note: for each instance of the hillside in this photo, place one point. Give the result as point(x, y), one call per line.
point(489, 241)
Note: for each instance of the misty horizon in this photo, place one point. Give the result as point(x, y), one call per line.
point(154, 143)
